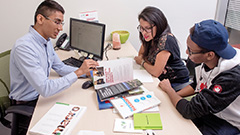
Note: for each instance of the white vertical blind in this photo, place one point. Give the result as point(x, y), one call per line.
point(233, 15)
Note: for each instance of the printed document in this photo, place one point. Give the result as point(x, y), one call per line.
point(60, 119)
point(112, 72)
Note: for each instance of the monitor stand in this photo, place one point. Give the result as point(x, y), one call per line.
point(85, 55)
point(82, 58)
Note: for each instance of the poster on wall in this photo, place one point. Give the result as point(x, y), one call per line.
point(89, 16)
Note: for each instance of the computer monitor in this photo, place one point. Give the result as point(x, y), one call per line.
point(87, 37)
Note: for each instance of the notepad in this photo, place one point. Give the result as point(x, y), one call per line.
point(147, 121)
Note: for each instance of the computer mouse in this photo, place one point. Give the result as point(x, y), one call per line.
point(87, 84)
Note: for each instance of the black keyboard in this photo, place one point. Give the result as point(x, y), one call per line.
point(73, 62)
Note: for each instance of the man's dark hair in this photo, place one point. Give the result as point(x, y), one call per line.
point(47, 7)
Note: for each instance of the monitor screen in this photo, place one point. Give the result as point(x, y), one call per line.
point(87, 37)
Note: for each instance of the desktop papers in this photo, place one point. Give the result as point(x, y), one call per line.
point(139, 72)
point(142, 75)
point(60, 119)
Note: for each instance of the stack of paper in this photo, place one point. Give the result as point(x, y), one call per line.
point(103, 104)
point(119, 90)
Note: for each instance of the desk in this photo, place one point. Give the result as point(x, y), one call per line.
point(103, 120)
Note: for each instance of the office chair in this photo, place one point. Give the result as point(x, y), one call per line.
point(5, 106)
point(191, 68)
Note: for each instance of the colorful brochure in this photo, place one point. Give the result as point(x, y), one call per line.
point(60, 119)
point(127, 106)
point(104, 104)
point(112, 72)
point(119, 90)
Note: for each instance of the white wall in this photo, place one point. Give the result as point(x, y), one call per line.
point(221, 11)
point(17, 16)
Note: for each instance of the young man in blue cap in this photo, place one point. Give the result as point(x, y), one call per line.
point(216, 107)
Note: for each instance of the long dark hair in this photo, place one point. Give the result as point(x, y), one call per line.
point(47, 7)
point(154, 17)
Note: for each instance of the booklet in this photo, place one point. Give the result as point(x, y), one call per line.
point(106, 104)
point(118, 90)
point(60, 119)
point(127, 106)
point(103, 104)
point(147, 121)
point(112, 72)
point(128, 93)
point(125, 126)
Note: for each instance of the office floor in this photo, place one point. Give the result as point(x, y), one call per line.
point(3, 129)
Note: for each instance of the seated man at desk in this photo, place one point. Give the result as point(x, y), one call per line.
point(33, 57)
point(215, 110)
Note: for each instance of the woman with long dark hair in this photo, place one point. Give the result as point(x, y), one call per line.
point(159, 53)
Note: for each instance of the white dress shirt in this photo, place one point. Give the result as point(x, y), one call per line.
point(31, 60)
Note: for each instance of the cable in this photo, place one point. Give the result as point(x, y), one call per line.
point(108, 47)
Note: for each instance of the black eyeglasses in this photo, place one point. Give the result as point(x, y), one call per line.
point(201, 52)
point(141, 29)
point(58, 22)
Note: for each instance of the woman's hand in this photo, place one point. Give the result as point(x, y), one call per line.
point(138, 59)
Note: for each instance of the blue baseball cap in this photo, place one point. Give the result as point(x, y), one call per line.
point(213, 36)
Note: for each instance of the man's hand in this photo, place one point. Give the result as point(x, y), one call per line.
point(165, 85)
point(88, 65)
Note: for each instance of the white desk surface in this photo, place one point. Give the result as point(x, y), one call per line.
point(103, 120)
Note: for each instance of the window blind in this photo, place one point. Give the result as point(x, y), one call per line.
point(233, 15)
